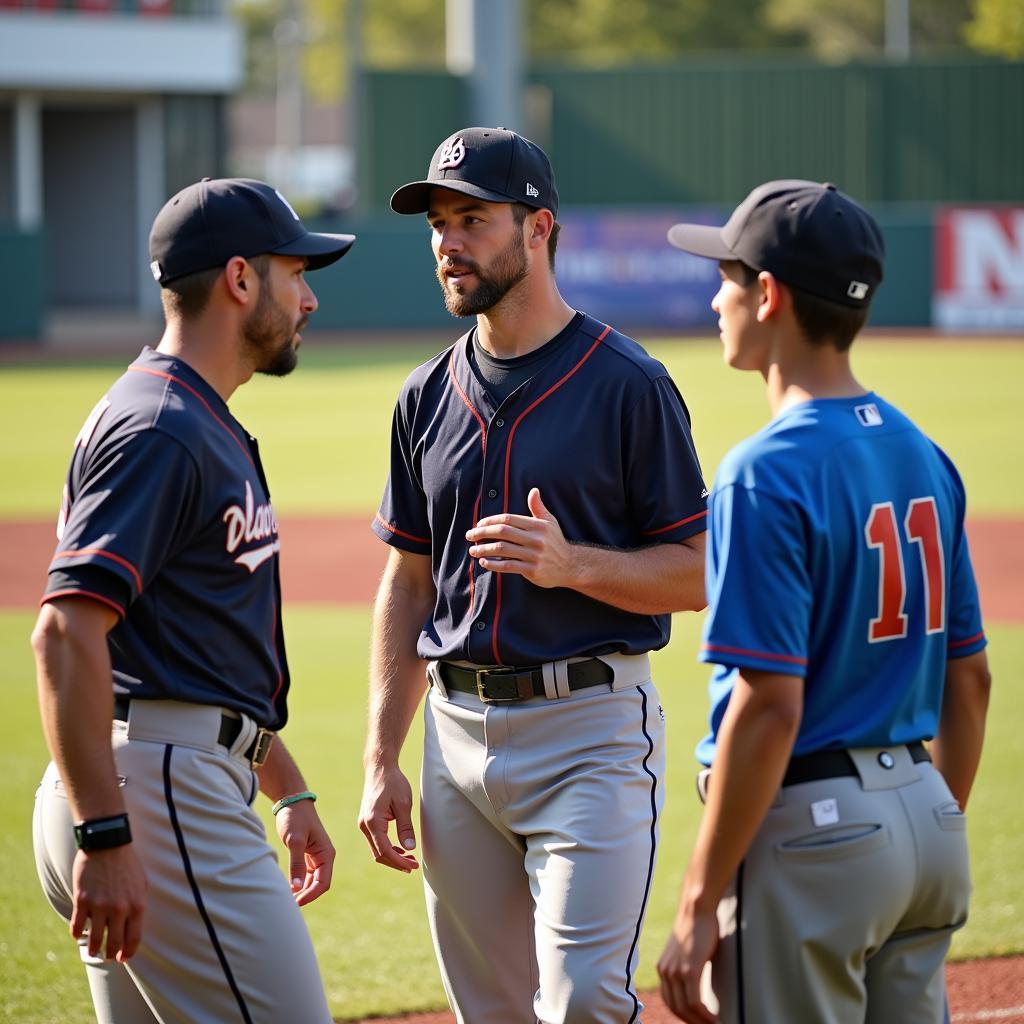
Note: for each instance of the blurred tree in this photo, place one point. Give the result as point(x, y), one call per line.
point(410, 33)
point(609, 31)
point(836, 30)
point(998, 27)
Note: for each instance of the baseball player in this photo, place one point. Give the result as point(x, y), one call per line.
point(830, 868)
point(165, 582)
point(545, 512)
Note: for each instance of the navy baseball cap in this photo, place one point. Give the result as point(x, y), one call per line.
point(810, 236)
point(208, 223)
point(489, 163)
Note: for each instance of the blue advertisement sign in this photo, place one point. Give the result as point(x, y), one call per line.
point(618, 266)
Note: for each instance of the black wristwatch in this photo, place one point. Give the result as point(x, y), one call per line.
point(103, 833)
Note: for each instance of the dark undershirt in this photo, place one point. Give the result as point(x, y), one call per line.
point(502, 376)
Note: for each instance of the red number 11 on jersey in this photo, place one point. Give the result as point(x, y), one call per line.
point(921, 526)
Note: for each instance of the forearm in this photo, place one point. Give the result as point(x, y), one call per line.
point(74, 683)
point(279, 775)
point(397, 673)
point(956, 750)
point(655, 580)
point(755, 742)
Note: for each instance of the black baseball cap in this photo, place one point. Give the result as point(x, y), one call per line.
point(489, 163)
point(810, 236)
point(208, 223)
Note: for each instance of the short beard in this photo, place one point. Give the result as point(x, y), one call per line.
point(263, 330)
point(507, 269)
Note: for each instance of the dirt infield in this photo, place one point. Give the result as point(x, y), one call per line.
point(339, 561)
point(979, 990)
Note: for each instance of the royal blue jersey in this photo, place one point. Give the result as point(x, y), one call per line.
point(167, 520)
point(837, 552)
point(601, 430)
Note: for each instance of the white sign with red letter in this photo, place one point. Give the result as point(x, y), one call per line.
point(979, 269)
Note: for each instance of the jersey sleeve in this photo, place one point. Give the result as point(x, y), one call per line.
point(402, 519)
point(965, 633)
point(127, 516)
point(665, 487)
point(758, 584)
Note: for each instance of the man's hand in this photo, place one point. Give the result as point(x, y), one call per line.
point(532, 546)
point(691, 944)
point(387, 797)
point(109, 889)
point(310, 850)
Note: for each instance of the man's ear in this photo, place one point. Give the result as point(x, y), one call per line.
point(770, 296)
point(543, 222)
point(239, 278)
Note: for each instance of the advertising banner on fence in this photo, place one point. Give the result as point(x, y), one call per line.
point(979, 269)
point(619, 267)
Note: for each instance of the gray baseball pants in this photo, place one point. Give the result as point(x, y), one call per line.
point(540, 828)
point(223, 940)
point(843, 910)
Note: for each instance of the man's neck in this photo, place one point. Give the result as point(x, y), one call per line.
point(529, 316)
point(808, 372)
point(203, 346)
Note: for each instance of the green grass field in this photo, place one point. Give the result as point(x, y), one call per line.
point(324, 435)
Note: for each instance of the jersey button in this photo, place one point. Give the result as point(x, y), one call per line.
point(480, 624)
point(499, 422)
point(492, 493)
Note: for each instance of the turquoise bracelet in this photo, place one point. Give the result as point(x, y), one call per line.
point(286, 801)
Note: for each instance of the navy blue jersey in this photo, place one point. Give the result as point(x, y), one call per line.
point(837, 552)
point(601, 430)
point(167, 519)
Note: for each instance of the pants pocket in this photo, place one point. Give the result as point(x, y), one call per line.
point(950, 817)
point(835, 843)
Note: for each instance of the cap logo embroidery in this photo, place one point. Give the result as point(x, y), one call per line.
point(857, 290)
point(452, 154)
point(531, 191)
point(286, 203)
point(154, 269)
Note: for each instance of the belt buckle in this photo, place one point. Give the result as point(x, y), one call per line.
point(521, 688)
point(261, 747)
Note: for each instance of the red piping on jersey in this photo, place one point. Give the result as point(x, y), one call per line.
point(964, 643)
point(508, 462)
point(83, 593)
point(72, 552)
point(483, 446)
point(755, 654)
point(672, 526)
point(400, 533)
point(206, 405)
point(277, 658)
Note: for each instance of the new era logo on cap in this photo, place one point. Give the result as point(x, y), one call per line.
point(857, 290)
point(531, 191)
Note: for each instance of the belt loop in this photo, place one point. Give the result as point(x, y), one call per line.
point(547, 671)
point(434, 678)
point(245, 736)
point(561, 671)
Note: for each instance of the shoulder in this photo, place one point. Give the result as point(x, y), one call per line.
point(622, 353)
point(428, 376)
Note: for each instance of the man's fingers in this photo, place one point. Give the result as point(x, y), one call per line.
point(132, 937)
point(115, 935)
point(507, 565)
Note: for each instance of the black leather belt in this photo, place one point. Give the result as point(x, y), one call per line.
point(230, 727)
point(503, 684)
point(832, 764)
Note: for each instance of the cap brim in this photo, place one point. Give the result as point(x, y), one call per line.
point(319, 249)
point(701, 240)
point(415, 197)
